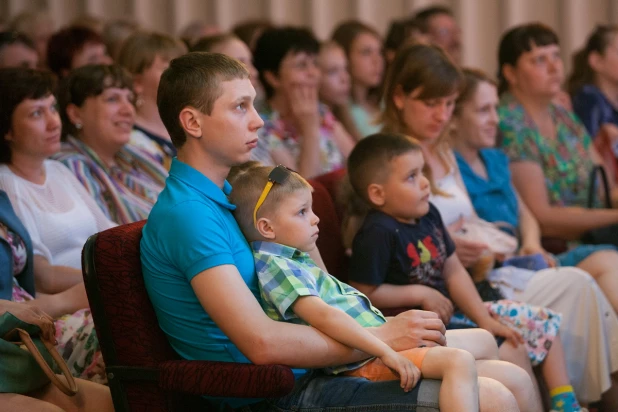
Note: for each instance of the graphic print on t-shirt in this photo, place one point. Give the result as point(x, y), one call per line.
point(426, 260)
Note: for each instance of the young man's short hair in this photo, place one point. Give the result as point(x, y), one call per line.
point(194, 79)
point(370, 159)
point(248, 181)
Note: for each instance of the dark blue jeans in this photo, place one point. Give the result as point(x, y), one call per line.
point(318, 392)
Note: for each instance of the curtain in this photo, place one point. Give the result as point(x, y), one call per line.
point(481, 21)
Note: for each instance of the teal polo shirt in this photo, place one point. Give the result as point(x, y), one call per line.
point(191, 229)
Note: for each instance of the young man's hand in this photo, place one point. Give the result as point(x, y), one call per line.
point(412, 329)
point(401, 366)
point(434, 301)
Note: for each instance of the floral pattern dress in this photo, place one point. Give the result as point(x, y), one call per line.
point(565, 160)
point(77, 341)
point(276, 134)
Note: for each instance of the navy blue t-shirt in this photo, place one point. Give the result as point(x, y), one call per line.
point(388, 251)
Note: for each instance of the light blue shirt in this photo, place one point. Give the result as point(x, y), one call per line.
point(191, 229)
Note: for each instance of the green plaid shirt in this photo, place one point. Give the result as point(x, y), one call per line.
point(286, 273)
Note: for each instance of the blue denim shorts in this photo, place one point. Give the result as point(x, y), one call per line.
point(317, 391)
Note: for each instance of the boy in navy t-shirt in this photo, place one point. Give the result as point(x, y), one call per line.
point(403, 256)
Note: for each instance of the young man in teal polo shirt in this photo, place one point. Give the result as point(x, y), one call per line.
point(199, 270)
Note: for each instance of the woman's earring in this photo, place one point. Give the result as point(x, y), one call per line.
point(78, 126)
point(139, 102)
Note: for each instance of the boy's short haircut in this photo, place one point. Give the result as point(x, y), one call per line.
point(194, 80)
point(370, 159)
point(248, 181)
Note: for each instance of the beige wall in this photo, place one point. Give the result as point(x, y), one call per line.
point(482, 21)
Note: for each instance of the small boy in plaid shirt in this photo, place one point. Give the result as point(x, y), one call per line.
point(273, 209)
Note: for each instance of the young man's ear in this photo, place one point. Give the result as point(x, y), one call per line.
point(265, 228)
point(190, 120)
point(375, 192)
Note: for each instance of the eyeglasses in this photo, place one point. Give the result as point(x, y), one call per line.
point(278, 175)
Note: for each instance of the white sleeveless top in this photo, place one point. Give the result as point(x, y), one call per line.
point(59, 214)
point(455, 206)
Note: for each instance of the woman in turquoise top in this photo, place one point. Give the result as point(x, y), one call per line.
point(485, 172)
point(550, 151)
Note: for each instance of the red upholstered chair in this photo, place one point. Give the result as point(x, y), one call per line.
point(144, 372)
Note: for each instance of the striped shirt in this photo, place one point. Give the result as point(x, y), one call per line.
point(125, 191)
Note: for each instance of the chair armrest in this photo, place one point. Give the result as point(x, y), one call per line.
point(226, 379)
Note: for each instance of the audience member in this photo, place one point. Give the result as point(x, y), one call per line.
point(115, 32)
point(56, 211)
point(363, 48)
point(146, 55)
point(401, 33)
point(335, 85)
point(97, 112)
point(403, 256)
point(550, 150)
point(420, 97)
point(593, 84)
point(193, 254)
point(485, 173)
point(232, 46)
point(74, 47)
point(280, 225)
point(249, 31)
point(17, 50)
point(299, 132)
point(38, 26)
point(195, 30)
point(439, 24)
point(90, 396)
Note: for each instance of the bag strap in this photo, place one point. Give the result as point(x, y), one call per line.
point(593, 184)
point(71, 388)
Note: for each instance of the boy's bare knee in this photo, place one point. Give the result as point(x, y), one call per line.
point(462, 360)
point(495, 397)
point(487, 343)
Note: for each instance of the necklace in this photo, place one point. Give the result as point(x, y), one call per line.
point(39, 178)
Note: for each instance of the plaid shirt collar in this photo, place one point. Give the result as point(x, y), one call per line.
point(272, 248)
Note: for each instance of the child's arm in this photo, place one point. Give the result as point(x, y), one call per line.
point(343, 328)
point(396, 296)
point(465, 296)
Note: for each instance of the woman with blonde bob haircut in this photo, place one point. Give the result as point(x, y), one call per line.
point(146, 55)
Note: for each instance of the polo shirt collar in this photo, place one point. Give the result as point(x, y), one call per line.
point(202, 184)
point(272, 248)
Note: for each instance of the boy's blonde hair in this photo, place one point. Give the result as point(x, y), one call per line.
point(248, 181)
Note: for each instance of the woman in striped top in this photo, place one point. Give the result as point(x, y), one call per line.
point(96, 106)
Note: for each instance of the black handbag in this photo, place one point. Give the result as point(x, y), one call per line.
point(607, 235)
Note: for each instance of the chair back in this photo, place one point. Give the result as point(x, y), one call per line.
point(131, 341)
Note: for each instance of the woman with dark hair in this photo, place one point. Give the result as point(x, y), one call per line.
point(96, 108)
point(298, 132)
point(550, 151)
point(56, 211)
point(73, 47)
point(363, 47)
point(485, 172)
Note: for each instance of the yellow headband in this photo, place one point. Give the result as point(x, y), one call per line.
point(278, 175)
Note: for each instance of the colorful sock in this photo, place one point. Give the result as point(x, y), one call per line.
point(563, 399)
